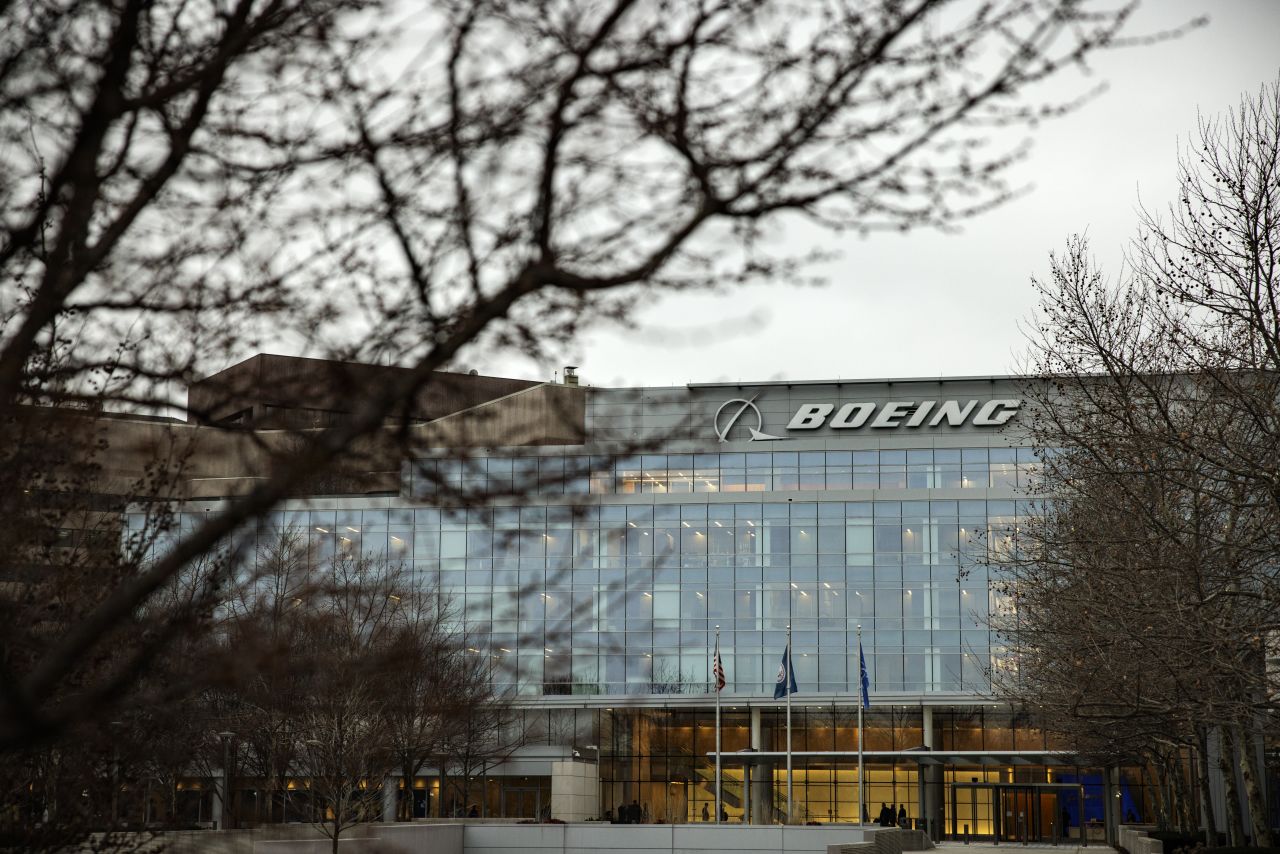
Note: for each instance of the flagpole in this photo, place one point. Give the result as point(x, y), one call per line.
point(862, 789)
point(787, 687)
point(716, 679)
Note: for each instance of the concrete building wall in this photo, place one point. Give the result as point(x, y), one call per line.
point(575, 791)
point(271, 392)
point(193, 462)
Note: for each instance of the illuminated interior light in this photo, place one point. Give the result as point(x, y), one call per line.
point(322, 530)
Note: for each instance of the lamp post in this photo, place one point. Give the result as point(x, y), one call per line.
point(225, 737)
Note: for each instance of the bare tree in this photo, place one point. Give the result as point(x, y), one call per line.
point(267, 616)
point(481, 735)
point(187, 179)
point(343, 758)
point(438, 682)
point(1152, 560)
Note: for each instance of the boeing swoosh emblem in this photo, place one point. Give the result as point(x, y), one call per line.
point(757, 433)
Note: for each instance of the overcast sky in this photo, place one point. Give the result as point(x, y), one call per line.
point(926, 304)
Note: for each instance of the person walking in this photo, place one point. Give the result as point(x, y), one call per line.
point(706, 813)
point(902, 816)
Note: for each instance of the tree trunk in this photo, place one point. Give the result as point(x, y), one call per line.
point(1156, 786)
point(271, 791)
point(1227, 765)
point(1206, 794)
point(1253, 791)
point(404, 798)
point(1181, 797)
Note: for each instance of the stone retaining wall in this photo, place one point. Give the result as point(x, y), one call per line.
point(1134, 839)
point(481, 837)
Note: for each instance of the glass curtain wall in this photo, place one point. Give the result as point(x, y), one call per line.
point(623, 599)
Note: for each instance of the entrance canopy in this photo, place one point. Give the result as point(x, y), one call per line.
point(924, 757)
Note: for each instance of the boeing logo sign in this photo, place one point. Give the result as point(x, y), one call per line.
point(736, 408)
point(852, 416)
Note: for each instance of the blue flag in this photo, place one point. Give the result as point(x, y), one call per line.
point(862, 677)
point(785, 686)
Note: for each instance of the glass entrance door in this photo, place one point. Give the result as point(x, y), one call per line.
point(1031, 814)
point(973, 811)
point(1016, 813)
point(1004, 812)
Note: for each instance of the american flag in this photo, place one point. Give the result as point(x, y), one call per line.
point(717, 669)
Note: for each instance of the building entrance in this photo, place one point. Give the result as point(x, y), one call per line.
point(1018, 813)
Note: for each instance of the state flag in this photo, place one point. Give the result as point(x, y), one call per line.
point(785, 685)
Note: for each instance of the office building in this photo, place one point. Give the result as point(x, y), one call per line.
point(660, 514)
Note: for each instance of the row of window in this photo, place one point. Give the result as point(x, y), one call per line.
point(662, 733)
point(671, 604)
point(537, 518)
point(929, 468)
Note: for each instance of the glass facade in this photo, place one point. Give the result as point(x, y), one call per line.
point(606, 584)
point(662, 758)
point(625, 598)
